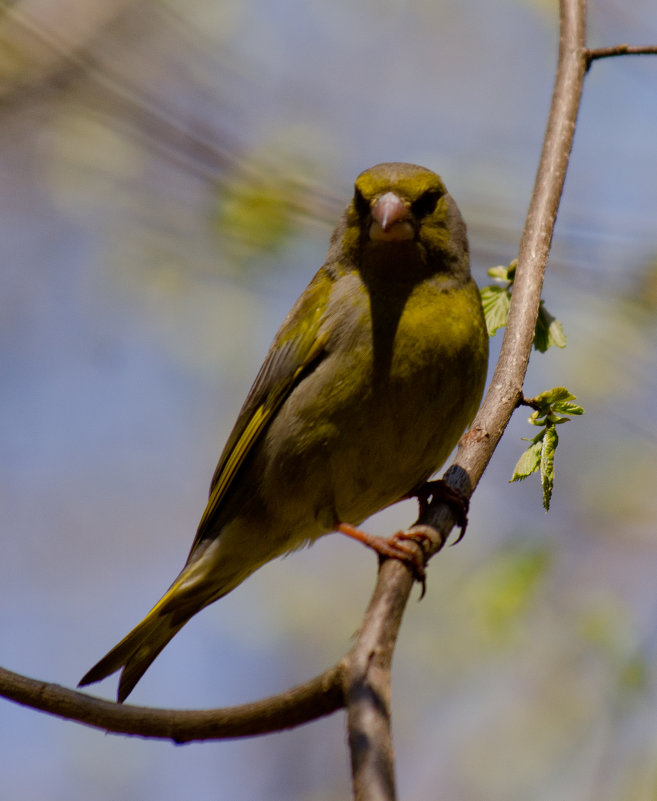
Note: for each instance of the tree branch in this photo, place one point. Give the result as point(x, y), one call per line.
point(476, 448)
point(361, 681)
point(314, 699)
point(368, 688)
point(593, 54)
point(366, 682)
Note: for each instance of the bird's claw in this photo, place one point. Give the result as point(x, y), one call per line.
point(396, 547)
point(417, 562)
point(440, 490)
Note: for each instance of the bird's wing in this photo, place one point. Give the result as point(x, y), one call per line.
point(298, 347)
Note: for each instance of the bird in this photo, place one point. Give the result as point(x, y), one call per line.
point(370, 381)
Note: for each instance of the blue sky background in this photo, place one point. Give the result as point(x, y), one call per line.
point(138, 299)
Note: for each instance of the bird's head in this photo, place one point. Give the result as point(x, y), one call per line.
point(402, 214)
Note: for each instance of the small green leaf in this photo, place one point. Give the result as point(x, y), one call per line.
point(536, 417)
point(565, 407)
point(500, 273)
point(548, 408)
point(547, 399)
point(529, 461)
point(496, 301)
point(549, 446)
point(549, 331)
point(556, 394)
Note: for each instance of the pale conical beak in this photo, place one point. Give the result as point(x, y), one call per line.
point(391, 219)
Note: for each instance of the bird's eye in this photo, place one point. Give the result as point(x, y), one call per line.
point(360, 204)
point(426, 203)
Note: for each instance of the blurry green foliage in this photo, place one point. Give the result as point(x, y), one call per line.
point(254, 213)
point(607, 630)
point(644, 292)
point(274, 194)
point(503, 590)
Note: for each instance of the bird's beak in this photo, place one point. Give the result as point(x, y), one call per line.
point(391, 219)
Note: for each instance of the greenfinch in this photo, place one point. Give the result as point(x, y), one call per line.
point(369, 383)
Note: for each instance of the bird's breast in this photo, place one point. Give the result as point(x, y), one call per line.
point(378, 415)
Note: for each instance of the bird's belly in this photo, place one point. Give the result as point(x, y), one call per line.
point(372, 449)
point(387, 457)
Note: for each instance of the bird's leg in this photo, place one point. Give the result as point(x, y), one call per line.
point(440, 490)
point(395, 547)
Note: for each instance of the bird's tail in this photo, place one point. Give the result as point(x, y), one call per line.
point(139, 648)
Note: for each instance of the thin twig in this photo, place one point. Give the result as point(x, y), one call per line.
point(596, 53)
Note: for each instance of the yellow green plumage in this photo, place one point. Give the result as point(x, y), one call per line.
point(373, 376)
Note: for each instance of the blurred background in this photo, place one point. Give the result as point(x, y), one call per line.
point(169, 176)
